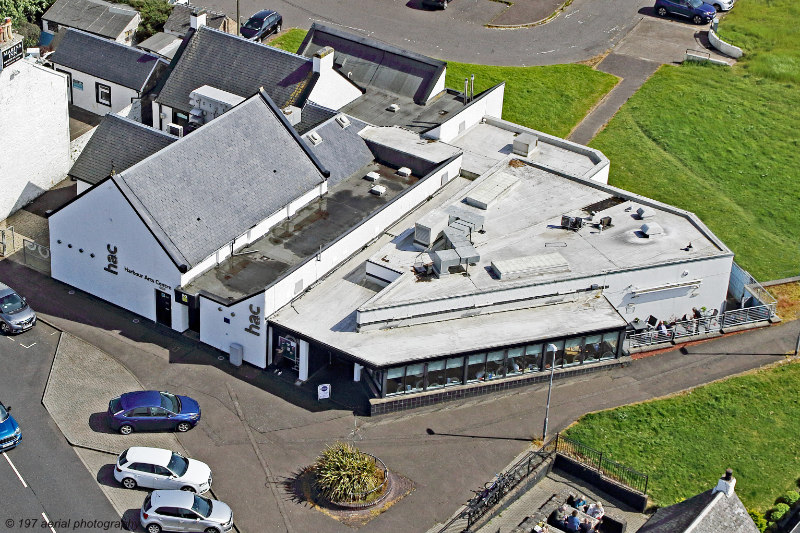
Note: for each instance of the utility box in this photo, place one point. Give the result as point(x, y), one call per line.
point(525, 144)
point(237, 353)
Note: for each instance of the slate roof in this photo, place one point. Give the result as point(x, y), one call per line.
point(163, 44)
point(342, 150)
point(373, 63)
point(120, 143)
point(179, 20)
point(312, 115)
point(213, 185)
point(236, 65)
point(716, 512)
point(94, 16)
point(105, 59)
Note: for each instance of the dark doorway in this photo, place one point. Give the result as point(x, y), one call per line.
point(163, 308)
point(69, 83)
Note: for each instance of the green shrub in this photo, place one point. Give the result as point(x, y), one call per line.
point(790, 498)
point(30, 33)
point(758, 518)
point(778, 512)
point(343, 470)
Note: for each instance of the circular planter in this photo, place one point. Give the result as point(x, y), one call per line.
point(383, 490)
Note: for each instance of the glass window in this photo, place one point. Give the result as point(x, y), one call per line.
point(161, 471)
point(436, 374)
point(178, 464)
point(572, 351)
point(494, 365)
point(168, 511)
point(609, 346)
point(533, 358)
point(103, 94)
point(554, 350)
point(139, 411)
point(394, 380)
point(476, 368)
point(414, 375)
point(591, 348)
point(515, 362)
point(454, 371)
point(158, 411)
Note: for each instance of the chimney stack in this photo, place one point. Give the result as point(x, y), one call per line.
point(197, 18)
point(5, 30)
point(725, 483)
point(323, 60)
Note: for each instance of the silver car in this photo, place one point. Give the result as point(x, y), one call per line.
point(15, 313)
point(178, 510)
point(155, 468)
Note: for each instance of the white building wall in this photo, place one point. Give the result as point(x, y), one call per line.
point(86, 98)
point(101, 222)
point(243, 323)
point(439, 86)
point(158, 122)
point(36, 153)
point(332, 90)
point(490, 104)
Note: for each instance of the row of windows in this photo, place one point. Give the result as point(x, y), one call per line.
point(502, 363)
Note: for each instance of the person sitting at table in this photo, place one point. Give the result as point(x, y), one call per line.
point(577, 501)
point(596, 510)
point(573, 522)
point(586, 526)
point(559, 516)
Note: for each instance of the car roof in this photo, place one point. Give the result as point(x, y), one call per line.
point(172, 498)
point(264, 13)
point(153, 456)
point(145, 398)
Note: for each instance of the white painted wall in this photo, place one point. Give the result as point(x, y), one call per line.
point(246, 325)
point(35, 124)
point(490, 104)
point(100, 219)
point(83, 186)
point(86, 98)
point(333, 90)
point(158, 122)
point(439, 86)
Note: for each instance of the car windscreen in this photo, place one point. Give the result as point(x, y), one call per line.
point(115, 405)
point(11, 303)
point(178, 465)
point(695, 3)
point(3, 413)
point(170, 402)
point(254, 23)
point(201, 506)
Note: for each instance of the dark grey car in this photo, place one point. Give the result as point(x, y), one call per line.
point(15, 313)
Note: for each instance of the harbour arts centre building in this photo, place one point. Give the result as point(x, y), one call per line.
point(431, 267)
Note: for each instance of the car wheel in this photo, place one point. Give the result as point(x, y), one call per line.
point(126, 429)
point(697, 19)
point(153, 528)
point(5, 328)
point(718, 7)
point(183, 427)
point(661, 11)
point(277, 29)
point(211, 530)
point(188, 489)
point(129, 483)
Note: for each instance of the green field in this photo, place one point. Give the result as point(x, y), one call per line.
point(550, 99)
point(684, 443)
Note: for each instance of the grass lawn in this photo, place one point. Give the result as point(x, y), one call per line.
point(686, 442)
point(788, 296)
point(551, 99)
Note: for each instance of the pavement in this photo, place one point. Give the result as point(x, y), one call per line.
point(526, 13)
point(81, 121)
point(258, 431)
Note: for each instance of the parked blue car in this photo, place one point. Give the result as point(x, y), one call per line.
point(10, 434)
point(149, 410)
point(695, 10)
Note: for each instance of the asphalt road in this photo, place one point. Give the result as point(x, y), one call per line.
point(584, 30)
point(42, 477)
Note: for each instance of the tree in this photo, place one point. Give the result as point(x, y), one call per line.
point(24, 10)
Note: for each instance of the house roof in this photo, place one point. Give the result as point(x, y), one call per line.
point(118, 144)
point(213, 185)
point(372, 63)
point(163, 44)
point(105, 59)
point(312, 115)
point(703, 513)
point(94, 16)
point(238, 66)
point(179, 20)
point(342, 150)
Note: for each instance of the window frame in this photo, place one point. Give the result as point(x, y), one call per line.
point(97, 88)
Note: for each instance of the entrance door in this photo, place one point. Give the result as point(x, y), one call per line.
point(163, 308)
point(69, 84)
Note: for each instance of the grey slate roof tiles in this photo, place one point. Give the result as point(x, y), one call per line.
point(342, 151)
point(179, 20)
point(312, 115)
point(725, 514)
point(94, 16)
point(236, 65)
point(213, 185)
point(120, 143)
point(107, 60)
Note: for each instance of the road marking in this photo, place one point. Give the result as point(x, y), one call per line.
point(47, 521)
point(26, 347)
point(53, 333)
point(15, 470)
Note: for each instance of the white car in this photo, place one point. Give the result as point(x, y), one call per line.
point(722, 5)
point(155, 468)
point(177, 510)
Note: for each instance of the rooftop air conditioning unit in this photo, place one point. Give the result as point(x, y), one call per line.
point(573, 223)
point(378, 190)
point(372, 176)
point(314, 138)
point(394, 108)
point(175, 129)
point(343, 121)
point(404, 172)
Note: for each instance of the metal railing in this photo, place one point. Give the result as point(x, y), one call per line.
point(36, 256)
point(607, 468)
point(4, 242)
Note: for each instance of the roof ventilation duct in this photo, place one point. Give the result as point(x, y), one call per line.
point(651, 229)
point(314, 137)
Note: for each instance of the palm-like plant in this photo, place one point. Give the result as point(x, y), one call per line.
point(344, 473)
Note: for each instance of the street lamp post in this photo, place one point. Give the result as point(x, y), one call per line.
point(554, 349)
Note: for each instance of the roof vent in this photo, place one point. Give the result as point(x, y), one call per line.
point(645, 212)
point(394, 108)
point(404, 171)
point(372, 176)
point(343, 121)
point(651, 229)
point(573, 223)
point(378, 190)
point(314, 138)
point(175, 129)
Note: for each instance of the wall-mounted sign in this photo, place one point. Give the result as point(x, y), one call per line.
point(77, 85)
point(255, 321)
point(112, 259)
point(12, 54)
point(323, 391)
point(286, 348)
